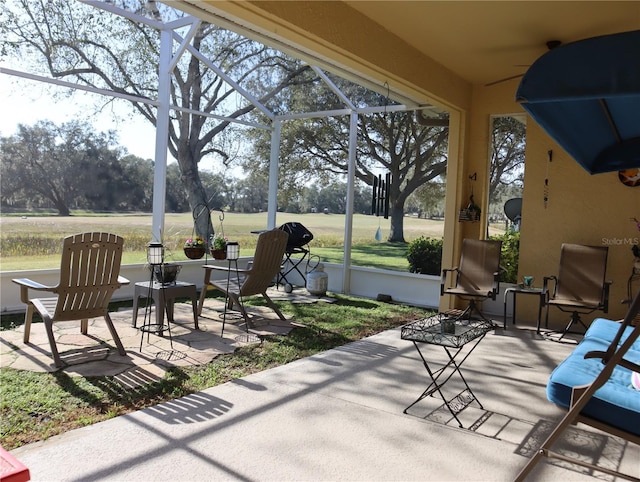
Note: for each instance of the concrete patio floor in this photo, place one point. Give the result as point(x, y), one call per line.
point(339, 415)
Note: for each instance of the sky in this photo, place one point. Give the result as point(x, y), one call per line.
point(26, 102)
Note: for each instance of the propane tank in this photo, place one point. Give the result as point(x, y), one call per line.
point(317, 281)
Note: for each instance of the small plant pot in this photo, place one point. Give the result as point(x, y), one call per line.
point(167, 273)
point(194, 252)
point(449, 327)
point(219, 253)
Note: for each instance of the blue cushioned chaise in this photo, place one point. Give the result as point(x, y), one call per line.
point(616, 403)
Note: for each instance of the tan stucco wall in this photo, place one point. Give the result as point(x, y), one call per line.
point(582, 208)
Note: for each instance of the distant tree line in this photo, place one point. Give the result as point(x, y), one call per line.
point(70, 166)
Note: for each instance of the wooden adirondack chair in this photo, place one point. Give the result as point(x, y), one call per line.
point(254, 281)
point(89, 275)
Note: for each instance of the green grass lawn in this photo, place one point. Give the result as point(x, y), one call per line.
point(34, 242)
point(375, 255)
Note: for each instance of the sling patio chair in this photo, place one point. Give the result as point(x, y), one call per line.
point(478, 276)
point(580, 287)
point(89, 275)
point(255, 280)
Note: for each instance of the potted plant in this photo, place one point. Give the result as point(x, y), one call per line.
point(471, 212)
point(194, 247)
point(219, 247)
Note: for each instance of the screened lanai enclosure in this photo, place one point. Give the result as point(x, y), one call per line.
point(213, 91)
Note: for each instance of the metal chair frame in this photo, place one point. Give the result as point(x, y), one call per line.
point(477, 278)
point(580, 287)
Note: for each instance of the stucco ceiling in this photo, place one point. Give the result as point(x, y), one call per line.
point(487, 41)
point(481, 41)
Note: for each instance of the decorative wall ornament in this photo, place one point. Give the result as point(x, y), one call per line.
point(546, 179)
point(630, 177)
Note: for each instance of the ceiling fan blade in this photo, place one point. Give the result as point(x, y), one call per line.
point(551, 44)
point(503, 80)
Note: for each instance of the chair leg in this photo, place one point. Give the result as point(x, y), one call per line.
point(203, 295)
point(546, 317)
point(575, 318)
point(48, 324)
point(273, 306)
point(235, 299)
point(471, 308)
point(205, 287)
point(27, 323)
point(84, 326)
point(114, 334)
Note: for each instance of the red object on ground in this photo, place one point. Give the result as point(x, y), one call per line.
point(11, 469)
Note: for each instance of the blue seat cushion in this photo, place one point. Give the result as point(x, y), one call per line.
point(616, 403)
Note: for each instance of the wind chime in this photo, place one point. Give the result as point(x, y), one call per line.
point(380, 197)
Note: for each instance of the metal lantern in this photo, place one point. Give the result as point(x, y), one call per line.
point(233, 250)
point(155, 253)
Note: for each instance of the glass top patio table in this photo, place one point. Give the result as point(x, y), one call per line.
point(444, 330)
point(452, 334)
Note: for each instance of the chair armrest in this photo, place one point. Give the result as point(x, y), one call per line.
point(496, 285)
point(123, 281)
point(27, 284)
point(443, 279)
point(545, 285)
point(629, 365)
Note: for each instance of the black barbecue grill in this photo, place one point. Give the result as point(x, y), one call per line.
point(297, 245)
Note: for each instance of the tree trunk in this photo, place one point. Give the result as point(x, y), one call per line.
point(396, 233)
point(196, 196)
point(63, 209)
point(59, 202)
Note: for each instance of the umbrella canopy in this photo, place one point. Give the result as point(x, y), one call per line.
point(586, 96)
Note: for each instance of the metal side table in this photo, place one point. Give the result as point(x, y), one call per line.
point(521, 290)
point(452, 335)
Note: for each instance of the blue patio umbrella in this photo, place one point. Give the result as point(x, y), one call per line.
point(586, 96)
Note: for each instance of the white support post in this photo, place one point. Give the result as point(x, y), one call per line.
point(348, 223)
point(162, 137)
point(273, 174)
